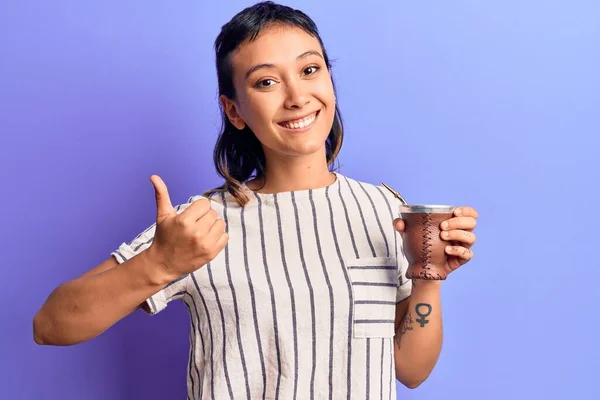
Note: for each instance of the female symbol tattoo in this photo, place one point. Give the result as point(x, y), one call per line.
point(423, 320)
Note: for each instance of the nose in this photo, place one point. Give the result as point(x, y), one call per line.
point(296, 95)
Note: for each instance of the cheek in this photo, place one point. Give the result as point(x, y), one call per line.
point(324, 90)
point(258, 111)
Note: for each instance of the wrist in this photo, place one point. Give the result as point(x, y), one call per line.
point(154, 269)
point(427, 284)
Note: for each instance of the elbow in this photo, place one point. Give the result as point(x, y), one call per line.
point(38, 334)
point(411, 382)
point(47, 333)
point(38, 339)
point(42, 331)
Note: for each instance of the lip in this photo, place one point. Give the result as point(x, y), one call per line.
point(300, 130)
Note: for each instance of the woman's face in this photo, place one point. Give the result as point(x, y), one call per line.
point(284, 92)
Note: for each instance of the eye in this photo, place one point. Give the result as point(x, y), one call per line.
point(311, 70)
point(265, 83)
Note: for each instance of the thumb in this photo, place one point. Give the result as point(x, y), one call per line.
point(164, 208)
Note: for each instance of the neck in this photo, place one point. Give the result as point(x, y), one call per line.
point(286, 174)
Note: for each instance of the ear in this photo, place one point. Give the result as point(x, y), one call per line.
point(230, 109)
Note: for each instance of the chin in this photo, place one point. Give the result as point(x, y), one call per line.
point(306, 149)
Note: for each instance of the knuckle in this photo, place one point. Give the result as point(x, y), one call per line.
point(179, 220)
point(206, 205)
point(204, 247)
point(220, 225)
point(469, 237)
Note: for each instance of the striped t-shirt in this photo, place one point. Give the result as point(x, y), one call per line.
point(301, 302)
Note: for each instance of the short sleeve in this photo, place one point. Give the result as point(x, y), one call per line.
point(404, 284)
point(174, 290)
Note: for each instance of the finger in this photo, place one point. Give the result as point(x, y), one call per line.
point(459, 223)
point(459, 251)
point(196, 210)
point(216, 231)
point(222, 241)
point(466, 212)
point(164, 208)
point(458, 235)
point(205, 223)
point(399, 224)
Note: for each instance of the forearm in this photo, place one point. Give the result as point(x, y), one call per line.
point(83, 308)
point(419, 336)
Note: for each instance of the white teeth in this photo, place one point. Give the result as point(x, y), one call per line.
point(303, 123)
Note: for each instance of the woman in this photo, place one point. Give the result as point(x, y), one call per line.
point(293, 274)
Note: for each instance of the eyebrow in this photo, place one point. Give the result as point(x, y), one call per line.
point(262, 66)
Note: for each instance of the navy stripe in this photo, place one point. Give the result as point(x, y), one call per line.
point(212, 284)
point(330, 289)
point(368, 369)
point(210, 331)
point(386, 267)
point(362, 217)
point(392, 216)
point(348, 285)
point(235, 304)
point(253, 301)
point(381, 230)
point(196, 329)
point(311, 298)
point(292, 297)
point(152, 305)
point(374, 321)
point(191, 359)
point(386, 284)
point(142, 244)
point(392, 303)
point(123, 259)
point(271, 292)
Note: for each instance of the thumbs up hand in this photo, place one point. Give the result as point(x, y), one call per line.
point(187, 241)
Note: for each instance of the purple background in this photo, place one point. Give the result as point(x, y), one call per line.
point(494, 104)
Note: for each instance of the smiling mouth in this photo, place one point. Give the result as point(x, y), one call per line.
point(302, 123)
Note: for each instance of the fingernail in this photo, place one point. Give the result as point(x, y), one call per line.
point(444, 225)
point(448, 248)
point(458, 211)
point(445, 235)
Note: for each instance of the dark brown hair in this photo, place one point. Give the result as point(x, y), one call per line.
point(238, 155)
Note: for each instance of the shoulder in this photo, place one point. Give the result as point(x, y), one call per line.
point(372, 190)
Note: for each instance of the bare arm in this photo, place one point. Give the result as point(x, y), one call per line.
point(83, 308)
point(418, 340)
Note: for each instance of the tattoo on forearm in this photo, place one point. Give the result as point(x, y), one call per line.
point(423, 310)
point(406, 326)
